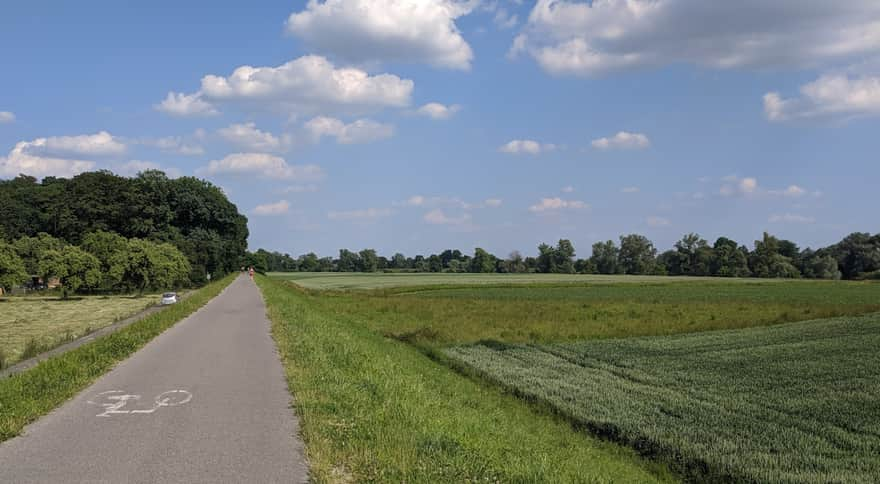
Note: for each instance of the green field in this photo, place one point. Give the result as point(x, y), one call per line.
point(789, 403)
point(340, 280)
point(657, 364)
point(43, 322)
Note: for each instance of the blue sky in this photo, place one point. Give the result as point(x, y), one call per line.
point(420, 125)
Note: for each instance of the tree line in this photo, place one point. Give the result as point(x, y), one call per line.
point(190, 214)
point(856, 256)
point(103, 261)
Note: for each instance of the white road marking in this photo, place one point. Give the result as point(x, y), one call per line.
point(115, 400)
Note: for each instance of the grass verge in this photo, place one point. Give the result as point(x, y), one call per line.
point(26, 396)
point(374, 409)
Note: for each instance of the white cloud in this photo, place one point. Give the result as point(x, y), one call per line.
point(738, 186)
point(630, 190)
point(360, 131)
point(622, 140)
point(569, 37)
point(416, 201)
point(262, 165)
point(438, 111)
point(278, 208)
point(308, 84)
point(176, 144)
point(830, 95)
point(19, 161)
point(248, 137)
point(365, 214)
point(421, 31)
point(567, 189)
point(99, 144)
point(553, 204)
point(7, 117)
point(493, 202)
point(183, 105)
point(792, 191)
point(791, 218)
point(655, 221)
point(438, 217)
point(527, 146)
point(505, 20)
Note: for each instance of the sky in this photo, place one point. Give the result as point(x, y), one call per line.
point(420, 125)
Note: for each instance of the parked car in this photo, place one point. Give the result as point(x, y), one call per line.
point(169, 298)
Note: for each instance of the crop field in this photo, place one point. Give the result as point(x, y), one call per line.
point(339, 280)
point(789, 403)
point(32, 324)
point(711, 379)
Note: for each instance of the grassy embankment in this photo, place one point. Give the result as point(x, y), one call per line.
point(26, 396)
point(376, 409)
point(31, 325)
point(794, 403)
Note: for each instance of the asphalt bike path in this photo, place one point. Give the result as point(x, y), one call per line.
point(205, 401)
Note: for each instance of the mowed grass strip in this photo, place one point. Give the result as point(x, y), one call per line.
point(373, 409)
point(45, 321)
point(439, 316)
point(794, 403)
point(26, 396)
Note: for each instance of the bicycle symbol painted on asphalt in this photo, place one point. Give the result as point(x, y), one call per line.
point(114, 402)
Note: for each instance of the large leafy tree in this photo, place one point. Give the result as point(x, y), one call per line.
point(637, 254)
point(482, 261)
point(111, 249)
point(74, 267)
point(12, 272)
point(606, 257)
point(729, 259)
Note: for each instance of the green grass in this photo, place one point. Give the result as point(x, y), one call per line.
point(43, 322)
point(339, 280)
point(375, 409)
point(26, 396)
point(795, 403)
point(436, 316)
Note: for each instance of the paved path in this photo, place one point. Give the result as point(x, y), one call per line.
point(205, 401)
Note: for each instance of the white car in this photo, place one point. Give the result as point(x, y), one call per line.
point(169, 298)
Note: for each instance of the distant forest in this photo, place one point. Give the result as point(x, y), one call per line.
point(62, 227)
point(857, 256)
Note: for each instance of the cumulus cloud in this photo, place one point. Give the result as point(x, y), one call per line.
point(186, 105)
point(278, 208)
point(438, 217)
point(526, 146)
point(248, 137)
point(555, 204)
point(438, 111)
point(365, 214)
point(655, 221)
point(791, 218)
point(261, 165)
point(420, 31)
point(622, 140)
point(7, 117)
point(505, 20)
point(567, 189)
point(792, 191)
point(99, 144)
point(360, 131)
point(568, 37)
point(20, 161)
point(308, 84)
point(829, 96)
